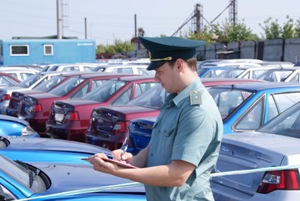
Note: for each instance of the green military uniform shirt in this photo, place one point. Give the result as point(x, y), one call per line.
point(189, 128)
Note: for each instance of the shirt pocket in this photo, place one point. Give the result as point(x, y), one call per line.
point(167, 129)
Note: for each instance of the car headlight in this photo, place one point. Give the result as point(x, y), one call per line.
point(27, 131)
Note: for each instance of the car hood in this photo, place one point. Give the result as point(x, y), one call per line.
point(66, 177)
point(19, 143)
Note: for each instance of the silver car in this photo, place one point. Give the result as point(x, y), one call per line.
point(272, 146)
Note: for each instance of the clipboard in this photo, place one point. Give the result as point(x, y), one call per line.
point(119, 163)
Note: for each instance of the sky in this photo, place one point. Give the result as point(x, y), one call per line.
point(107, 21)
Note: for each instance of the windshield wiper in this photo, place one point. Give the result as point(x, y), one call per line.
point(32, 174)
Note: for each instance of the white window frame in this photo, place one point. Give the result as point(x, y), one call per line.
point(48, 45)
point(11, 53)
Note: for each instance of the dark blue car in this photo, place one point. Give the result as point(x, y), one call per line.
point(243, 107)
point(52, 181)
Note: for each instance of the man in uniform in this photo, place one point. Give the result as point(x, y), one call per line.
point(186, 137)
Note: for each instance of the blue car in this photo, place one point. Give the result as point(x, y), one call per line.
point(48, 150)
point(244, 107)
point(51, 181)
point(12, 126)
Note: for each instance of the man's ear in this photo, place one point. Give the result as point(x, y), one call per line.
point(179, 64)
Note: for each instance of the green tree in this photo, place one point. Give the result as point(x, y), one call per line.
point(273, 30)
point(224, 33)
point(297, 28)
point(123, 46)
point(118, 46)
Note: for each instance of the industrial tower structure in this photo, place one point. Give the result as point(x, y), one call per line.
point(233, 12)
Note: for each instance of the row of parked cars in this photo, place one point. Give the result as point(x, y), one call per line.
point(254, 111)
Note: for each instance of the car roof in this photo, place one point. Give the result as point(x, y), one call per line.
point(102, 74)
point(136, 77)
point(260, 85)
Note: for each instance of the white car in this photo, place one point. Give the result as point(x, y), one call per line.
point(21, 73)
point(137, 69)
point(83, 67)
point(262, 165)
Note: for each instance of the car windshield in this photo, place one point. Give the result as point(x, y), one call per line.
point(227, 99)
point(273, 75)
point(287, 123)
point(67, 86)
point(232, 73)
point(105, 91)
point(210, 72)
point(30, 80)
point(21, 173)
point(50, 83)
point(152, 98)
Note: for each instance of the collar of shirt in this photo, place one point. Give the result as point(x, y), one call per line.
point(176, 99)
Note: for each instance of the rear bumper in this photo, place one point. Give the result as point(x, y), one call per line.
point(63, 132)
point(111, 143)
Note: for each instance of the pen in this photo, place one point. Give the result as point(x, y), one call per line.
point(124, 148)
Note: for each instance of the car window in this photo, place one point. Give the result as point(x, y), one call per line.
point(67, 86)
point(105, 91)
point(123, 70)
point(231, 73)
point(227, 99)
point(124, 98)
point(50, 83)
point(252, 119)
point(295, 78)
point(7, 81)
point(88, 68)
point(81, 92)
point(24, 76)
point(31, 80)
point(272, 108)
point(275, 75)
point(142, 87)
point(71, 68)
point(152, 98)
point(287, 124)
point(286, 100)
point(97, 83)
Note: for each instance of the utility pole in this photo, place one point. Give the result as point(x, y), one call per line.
point(85, 28)
point(198, 20)
point(59, 19)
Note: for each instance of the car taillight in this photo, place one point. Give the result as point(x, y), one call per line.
point(6, 97)
point(279, 180)
point(120, 127)
point(73, 116)
point(38, 108)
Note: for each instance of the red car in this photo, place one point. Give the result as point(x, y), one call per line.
point(35, 108)
point(109, 125)
point(69, 119)
point(51, 82)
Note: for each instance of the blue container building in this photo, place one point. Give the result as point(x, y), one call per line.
point(46, 51)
